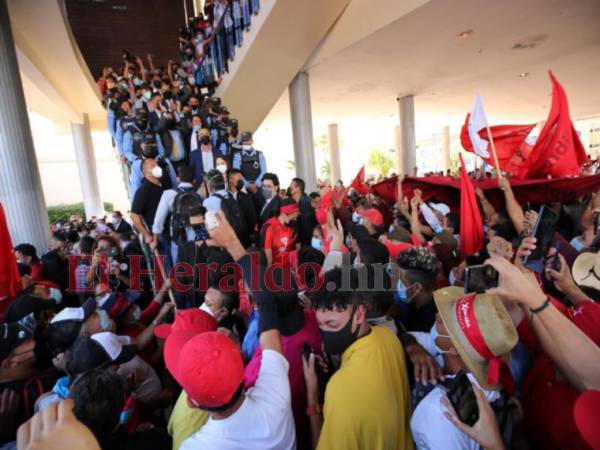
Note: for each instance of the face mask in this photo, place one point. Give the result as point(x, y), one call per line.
point(401, 294)
point(239, 185)
point(292, 223)
point(315, 243)
point(204, 307)
point(205, 140)
point(105, 320)
point(157, 172)
point(246, 147)
point(336, 342)
point(433, 333)
point(196, 128)
point(355, 217)
point(361, 221)
point(56, 295)
point(137, 313)
point(222, 168)
point(267, 193)
point(451, 278)
point(147, 95)
point(191, 80)
point(348, 242)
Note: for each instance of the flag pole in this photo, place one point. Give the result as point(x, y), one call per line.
point(491, 139)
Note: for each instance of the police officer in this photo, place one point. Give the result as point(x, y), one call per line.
point(140, 125)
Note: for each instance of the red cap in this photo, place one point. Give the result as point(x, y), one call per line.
point(208, 366)
point(587, 416)
point(191, 320)
point(372, 215)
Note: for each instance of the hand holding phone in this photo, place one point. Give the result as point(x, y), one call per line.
point(212, 220)
point(543, 230)
point(480, 278)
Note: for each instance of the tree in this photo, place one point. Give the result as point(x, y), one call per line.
point(381, 162)
point(291, 165)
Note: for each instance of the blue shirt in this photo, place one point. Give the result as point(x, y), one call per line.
point(137, 176)
point(262, 162)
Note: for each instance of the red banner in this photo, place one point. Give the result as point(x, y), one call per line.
point(447, 189)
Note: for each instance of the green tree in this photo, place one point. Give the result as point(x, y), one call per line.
point(381, 162)
point(291, 165)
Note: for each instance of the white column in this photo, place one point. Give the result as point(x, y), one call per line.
point(86, 165)
point(21, 192)
point(304, 152)
point(407, 133)
point(399, 161)
point(334, 153)
point(446, 147)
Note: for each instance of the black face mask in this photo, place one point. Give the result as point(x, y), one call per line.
point(292, 223)
point(205, 140)
point(156, 84)
point(336, 342)
point(234, 132)
point(239, 185)
point(201, 233)
point(168, 95)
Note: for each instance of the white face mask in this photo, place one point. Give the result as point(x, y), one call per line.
point(56, 295)
point(355, 217)
point(105, 320)
point(157, 172)
point(137, 313)
point(246, 147)
point(451, 278)
point(204, 307)
point(222, 168)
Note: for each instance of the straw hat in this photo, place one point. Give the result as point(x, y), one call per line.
point(481, 331)
point(586, 270)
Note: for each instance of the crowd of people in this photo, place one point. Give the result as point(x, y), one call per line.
point(226, 311)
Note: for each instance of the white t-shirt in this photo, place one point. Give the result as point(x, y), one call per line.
point(432, 431)
point(263, 422)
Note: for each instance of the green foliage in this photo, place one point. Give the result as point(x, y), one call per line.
point(381, 162)
point(64, 212)
point(326, 170)
point(291, 165)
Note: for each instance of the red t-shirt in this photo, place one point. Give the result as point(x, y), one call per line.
point(280, 239)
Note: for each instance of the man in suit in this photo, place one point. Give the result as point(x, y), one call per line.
point(244, 199)
point(270, 192)
point(121, 226)
point(203, 156)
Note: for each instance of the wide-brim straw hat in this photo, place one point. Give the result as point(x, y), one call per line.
point(586, 270)
point(483, 316)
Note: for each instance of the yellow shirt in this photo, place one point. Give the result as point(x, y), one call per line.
point(185, 421)
point(367, 401)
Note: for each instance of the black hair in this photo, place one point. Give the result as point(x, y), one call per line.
point(300, 183)
point(87, 244)
point(236, 395)
point(231, 298)
point(425, 279)
point(339, 290)
point(380, 298)
point(506, 232)
point(273, 177)
point(232, 172)
point(185, 173)
point(373, 252)
point(98, 399)
point(24, 269)
point(314, 195)
point(215, 180)
point(314, 257)
point(453, 221)
point(59, 236)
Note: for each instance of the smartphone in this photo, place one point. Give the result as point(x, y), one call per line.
point(306, 351)
point(544, 230)
point(461, 396)
point(480, 278)
point(555, 259)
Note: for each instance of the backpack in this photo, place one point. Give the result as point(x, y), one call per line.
point(187, 203)
point(235, 217)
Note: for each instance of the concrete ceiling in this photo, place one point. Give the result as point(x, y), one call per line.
point(56, 80)
point(421, 54)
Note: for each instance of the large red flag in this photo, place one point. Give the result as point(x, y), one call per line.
point(359, 182)
point(471, 225)
point(558, 151)
point(9, 273)
point(509, 140)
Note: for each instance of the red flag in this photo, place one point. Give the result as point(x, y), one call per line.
point(509, 140)
point(359, 182)
point(558, 151)
point(471, 225)
point(9, 273)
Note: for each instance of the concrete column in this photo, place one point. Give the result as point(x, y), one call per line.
point(446, 147)
point(407, 133)
point(86, 165)
point(334, 153)
point(21, 192)
point(399, 161)
point(198, 7)
point(304, 152)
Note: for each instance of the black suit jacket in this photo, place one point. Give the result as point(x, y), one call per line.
point(246, 203)
point(123, 227)
point(270, 210)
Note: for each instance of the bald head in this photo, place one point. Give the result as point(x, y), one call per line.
point(147, 166)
